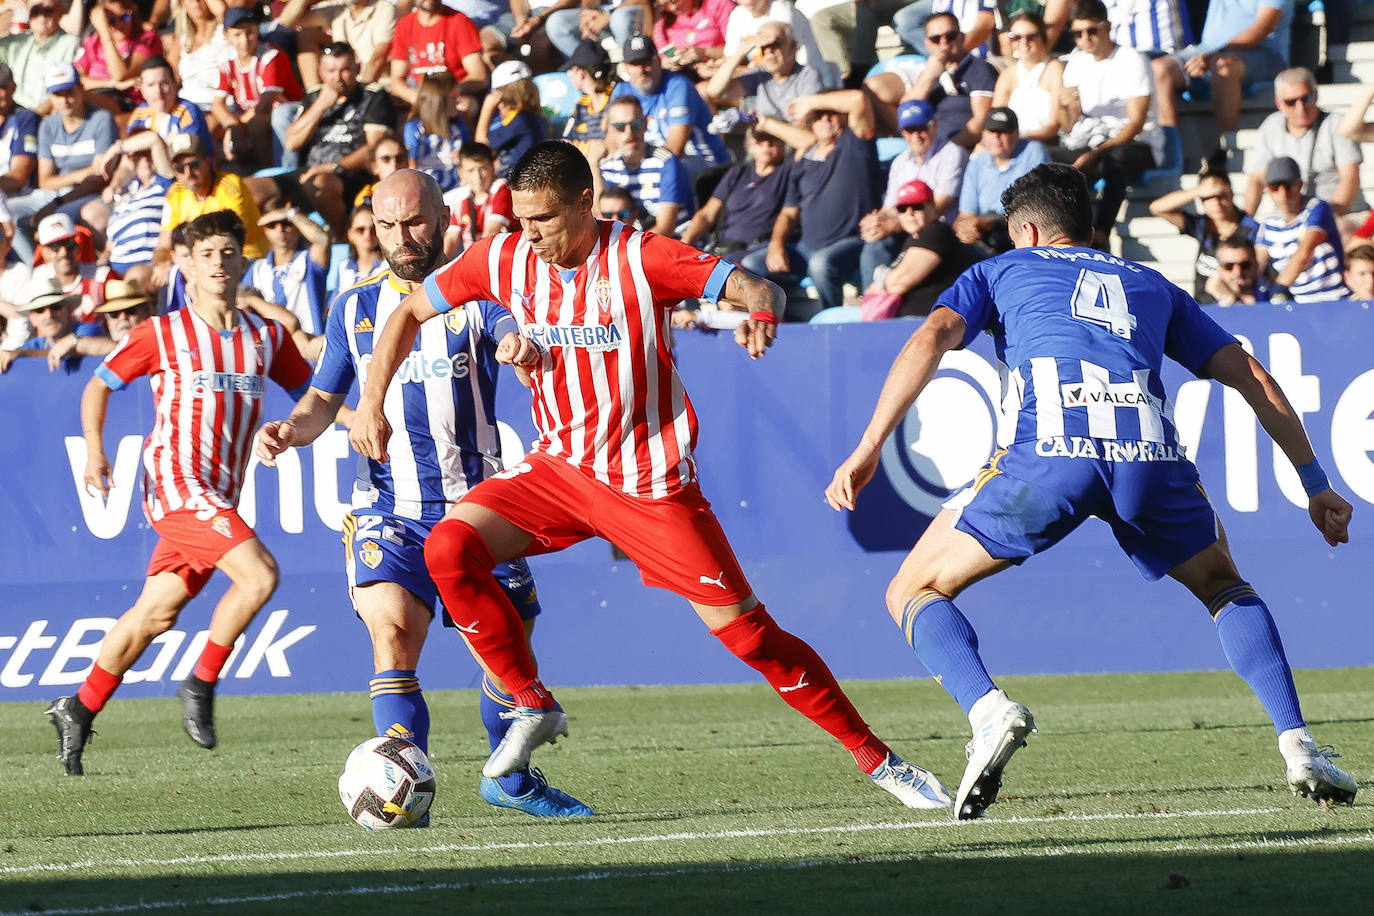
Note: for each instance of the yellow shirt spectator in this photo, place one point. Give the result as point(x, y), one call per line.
point(226, 193)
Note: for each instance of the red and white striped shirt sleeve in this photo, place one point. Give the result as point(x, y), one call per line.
point(467, 277)
point(137, 355)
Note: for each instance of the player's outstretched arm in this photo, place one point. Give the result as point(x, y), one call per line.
point(764, 300)
point(1235, 368)
point(311, 417)
point(910, 373)
point(95, 400)
point(371, 432)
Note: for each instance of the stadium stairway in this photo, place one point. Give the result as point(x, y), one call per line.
point(1154, 241)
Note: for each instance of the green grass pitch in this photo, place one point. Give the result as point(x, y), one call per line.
point(1142, 793)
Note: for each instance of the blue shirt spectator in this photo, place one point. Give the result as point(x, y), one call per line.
point(434, 155)
point(652, 175)
point(1301, 239)
point(18, 141)
point(136, 222)
point(676, 116)
point(749, 201)
point(834, 193)
point(1004, 157)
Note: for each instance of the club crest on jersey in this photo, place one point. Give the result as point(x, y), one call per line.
point(456, 320)
point(602, 290)
point(371, 554)
point(220, 526)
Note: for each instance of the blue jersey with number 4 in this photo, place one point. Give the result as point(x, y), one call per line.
point(1081, 335)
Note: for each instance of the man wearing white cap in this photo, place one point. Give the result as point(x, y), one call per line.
point(74, 155)
point(59, 246)
point(340, 124)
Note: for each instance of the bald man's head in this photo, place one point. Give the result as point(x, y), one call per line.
point(410, 216)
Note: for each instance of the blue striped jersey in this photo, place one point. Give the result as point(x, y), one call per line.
point(136, 222)
point(298, 285)
point(1150, 25)
point(441, 404)
point(660, 177)
point(1323, 277)
point(1081, 335)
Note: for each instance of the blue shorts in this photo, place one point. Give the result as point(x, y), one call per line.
point(388, 548)
point(1025, 501)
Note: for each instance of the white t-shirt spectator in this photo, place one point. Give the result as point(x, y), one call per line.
point(1105, 85)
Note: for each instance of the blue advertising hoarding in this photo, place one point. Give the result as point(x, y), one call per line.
point(772, 432)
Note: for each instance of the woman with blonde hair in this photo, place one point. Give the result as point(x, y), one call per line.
point(1030, 87)
point(435, 131)
point(195, 48)
point(511, 120)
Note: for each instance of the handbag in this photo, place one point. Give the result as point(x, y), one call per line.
point(879, 306)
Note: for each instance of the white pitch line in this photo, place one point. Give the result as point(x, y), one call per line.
point(631, 873)
point(592, 842)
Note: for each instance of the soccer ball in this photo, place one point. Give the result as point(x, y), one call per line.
point(386, 783)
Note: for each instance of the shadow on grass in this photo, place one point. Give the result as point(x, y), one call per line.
point(998, 881)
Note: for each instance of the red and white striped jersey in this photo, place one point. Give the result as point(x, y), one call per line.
point(208, 388)
point(608, 398)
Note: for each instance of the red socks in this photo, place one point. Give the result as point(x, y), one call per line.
point(212, 660)
point(460, 564)
point(96, 691)
point(799, 676)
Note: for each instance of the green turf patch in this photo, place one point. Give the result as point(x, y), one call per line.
point(1142, 793)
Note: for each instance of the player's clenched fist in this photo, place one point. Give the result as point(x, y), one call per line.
point(517, 350)
point(370, 432)
point(273, 439)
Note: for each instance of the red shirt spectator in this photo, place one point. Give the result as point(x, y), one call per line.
point(470, 219)
point(436, 48)
point(269, 69)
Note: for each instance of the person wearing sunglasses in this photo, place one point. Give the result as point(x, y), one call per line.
point(651, 174)
point(1221, 218)
point(201, 188)
point(1329, 162)
point(1006, 157)
point(1300, 239)
point(1238, 280)
point(295, 271)
point(676, 117)
point(768, 88)
point(1031, 86)
point(959, 84)
point(1106, 113)
point(112, 56)
point(55, 335)
point(931, 257)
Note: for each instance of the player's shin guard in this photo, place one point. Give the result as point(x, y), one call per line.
point(95, 692)
point(799, 676)
point(398, 706)
point(946, 644)
point(1255, 652)
point(460, 564)
point(493, 703)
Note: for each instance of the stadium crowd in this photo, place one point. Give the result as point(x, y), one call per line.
point(764, 131)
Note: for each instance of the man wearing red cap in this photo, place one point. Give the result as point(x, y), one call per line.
point(931, 259)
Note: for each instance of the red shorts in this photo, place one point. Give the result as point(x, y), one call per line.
point(191, 546)
point(676, 542)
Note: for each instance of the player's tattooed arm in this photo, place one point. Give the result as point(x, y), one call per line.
point(763, 300)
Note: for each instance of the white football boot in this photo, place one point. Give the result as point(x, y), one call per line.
point(1310, 770)
point(913, 786)
point(1000, 727)
point(531, 728)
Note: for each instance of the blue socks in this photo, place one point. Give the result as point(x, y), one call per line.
point(398, 706)
point(1253, 649)
point(945, 643)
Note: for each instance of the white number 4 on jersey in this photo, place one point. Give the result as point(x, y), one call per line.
point(1100, 299)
